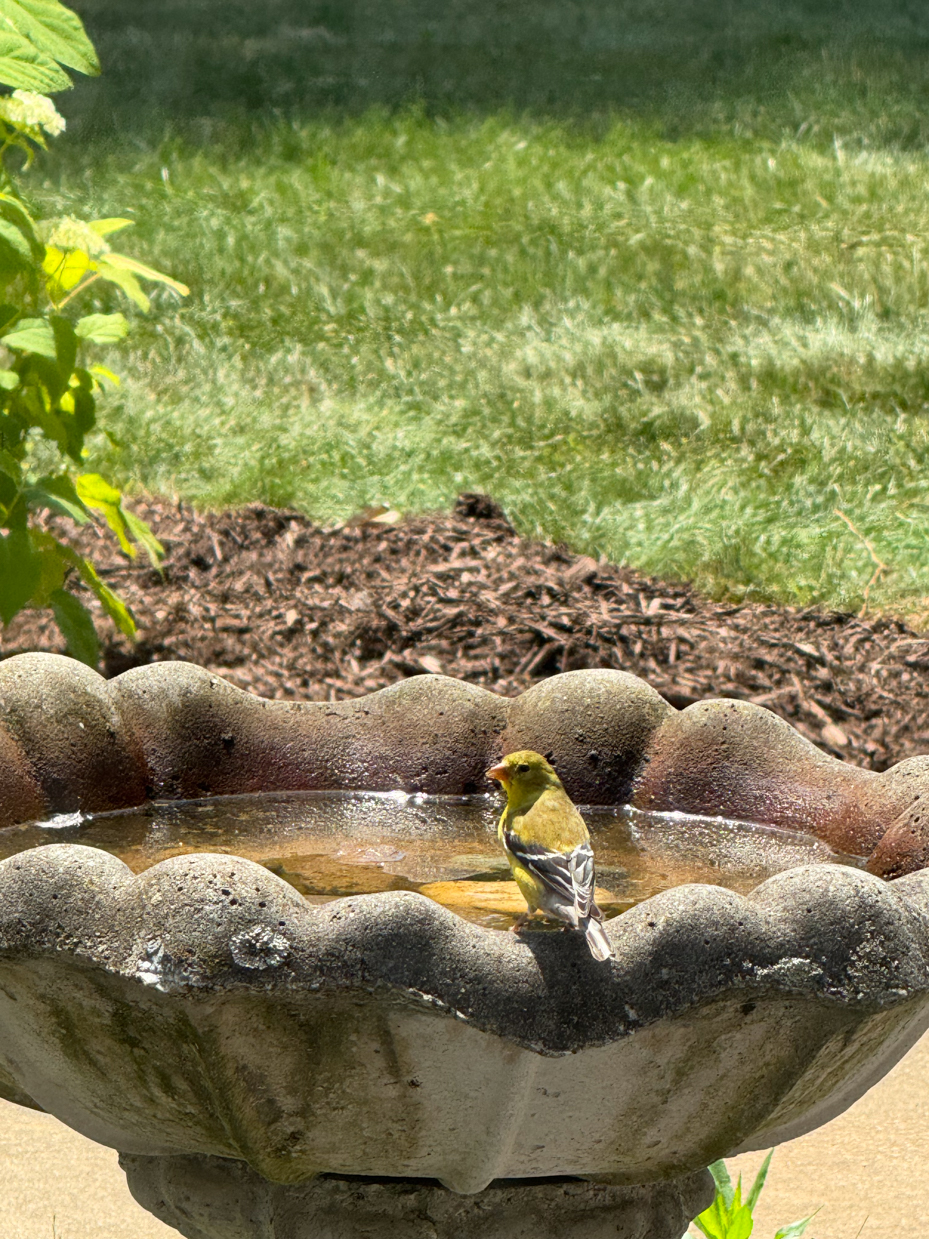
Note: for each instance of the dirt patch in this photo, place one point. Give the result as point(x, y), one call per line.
point(285, 609)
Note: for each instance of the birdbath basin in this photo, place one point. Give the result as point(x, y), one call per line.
point(256, 947)
point(332, 845)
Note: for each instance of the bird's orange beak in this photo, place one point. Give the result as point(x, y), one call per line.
point(499, 773)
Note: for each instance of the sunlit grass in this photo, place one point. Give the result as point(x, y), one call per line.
point(685, 353)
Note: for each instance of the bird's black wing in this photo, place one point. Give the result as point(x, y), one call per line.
point(581, 864)
point(568, 875)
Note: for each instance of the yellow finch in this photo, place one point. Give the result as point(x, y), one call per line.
point(548, 847)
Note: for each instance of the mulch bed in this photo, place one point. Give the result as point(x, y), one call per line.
point(285, 609)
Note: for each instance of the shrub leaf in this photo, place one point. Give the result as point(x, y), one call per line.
point(54, 30)
point(32, 335)
point(76, 626)
point(102, 328)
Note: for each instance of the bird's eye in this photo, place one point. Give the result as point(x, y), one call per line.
point(522, 768)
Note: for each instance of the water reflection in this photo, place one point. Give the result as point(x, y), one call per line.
point(332, 844)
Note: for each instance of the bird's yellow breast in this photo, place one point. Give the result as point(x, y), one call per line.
point(550, 820)
point(529, 887)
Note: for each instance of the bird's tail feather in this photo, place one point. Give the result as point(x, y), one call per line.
point(597, 940)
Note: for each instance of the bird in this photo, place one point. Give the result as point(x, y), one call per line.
point(548, 846)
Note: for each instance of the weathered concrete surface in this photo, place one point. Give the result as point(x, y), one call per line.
point(201, 736)
point(69, 739)
point(904, 845)
point(597, 726)
point(866, 1169)
point(21, 795)
point(210, 1198)
point(204, 1007)
point(62, 717)
point(740, 760)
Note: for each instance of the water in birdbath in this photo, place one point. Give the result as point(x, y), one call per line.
point(331, 844)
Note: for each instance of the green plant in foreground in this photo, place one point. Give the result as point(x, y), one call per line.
point(729, 1217)
point(47, 397)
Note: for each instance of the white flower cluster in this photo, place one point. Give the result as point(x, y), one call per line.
point(32, 111)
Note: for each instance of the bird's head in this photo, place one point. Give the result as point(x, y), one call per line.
point(524, 774)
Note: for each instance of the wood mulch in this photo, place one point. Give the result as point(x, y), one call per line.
point(281, 607)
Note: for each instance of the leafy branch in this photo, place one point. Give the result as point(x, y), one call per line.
point(48, 396)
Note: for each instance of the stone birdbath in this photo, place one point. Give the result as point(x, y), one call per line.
point(270, 1067)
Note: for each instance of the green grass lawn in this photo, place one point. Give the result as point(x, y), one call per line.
point(685, 325)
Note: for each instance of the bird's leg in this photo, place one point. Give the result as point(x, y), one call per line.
point(520, 922)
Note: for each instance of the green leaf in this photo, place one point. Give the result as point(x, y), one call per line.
point(54, 428)
point(101, 372)
point(12, 209)
point(102, 328)
point(76, 626)
point(727, 1217)
point(795, 1229)
point(10, 465)
point(65, 345)
point(723, 1181)
point(24, 67)
point(740, 1223)
point(85, 408)
point(714, 1222)
point(752, 1199)
point(66, 269)
point(105, 226)
point(124, 280)
point(9, 380)
point(125, 263)
point(55, 30)
point(58, 493)
point(95, 492)
point(32, 335)
point(20, 573)
point(15, 252)
point(20, 248)
point(145, 538)
point(38, 498)
point(114, 606)
point(53, 566)
point(707, 1227)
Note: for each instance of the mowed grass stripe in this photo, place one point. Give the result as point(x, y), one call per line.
point(686, 354)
